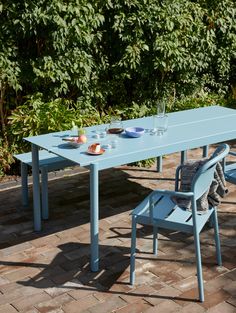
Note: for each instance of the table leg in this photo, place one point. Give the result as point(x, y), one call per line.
point(183, 156)
point(159, 164)
point(205, 151)
point(94, 209)
point(36, 188)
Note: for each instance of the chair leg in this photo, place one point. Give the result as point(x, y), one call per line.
point(217, 237)
point(24, 184)
point(155, 240)
point(199, 266)
point(133, 249)
point(44, 177)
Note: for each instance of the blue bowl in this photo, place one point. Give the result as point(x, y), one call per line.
point(134, 131)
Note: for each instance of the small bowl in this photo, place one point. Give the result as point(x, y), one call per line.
point(134, 131)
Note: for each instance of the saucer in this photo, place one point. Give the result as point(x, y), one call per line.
point(115, 130)
point(96, 153)
point(92, 152)
point(73, 141)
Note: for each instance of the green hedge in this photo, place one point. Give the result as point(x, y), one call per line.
point(68, 60)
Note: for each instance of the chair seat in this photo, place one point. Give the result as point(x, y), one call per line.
point(167, 214)
point(230, 173)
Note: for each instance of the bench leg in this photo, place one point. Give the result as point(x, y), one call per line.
point(44, 177)
point(24, 184)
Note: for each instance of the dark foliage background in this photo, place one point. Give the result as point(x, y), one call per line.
point(83, 60)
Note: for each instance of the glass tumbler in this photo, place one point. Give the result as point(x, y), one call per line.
point(161, 107)
point(160, 123)
point(116, 126)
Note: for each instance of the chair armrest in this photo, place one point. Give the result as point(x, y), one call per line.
point(177, 178)
point(181, 194)
point(224, 160)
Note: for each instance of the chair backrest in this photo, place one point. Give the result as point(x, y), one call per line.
point(205, 174)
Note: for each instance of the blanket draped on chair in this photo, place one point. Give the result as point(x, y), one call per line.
point(211, 197)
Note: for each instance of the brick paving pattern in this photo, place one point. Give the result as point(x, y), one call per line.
point(49, 271)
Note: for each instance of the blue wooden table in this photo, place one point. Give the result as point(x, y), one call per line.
point(187, 129)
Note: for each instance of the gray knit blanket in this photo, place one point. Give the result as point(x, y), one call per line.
point(212, 197)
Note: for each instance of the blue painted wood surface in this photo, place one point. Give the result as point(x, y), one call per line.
point(187, 129)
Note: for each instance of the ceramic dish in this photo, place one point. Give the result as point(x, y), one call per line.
point(92, 149)
point(96, 153)
point(115, 130)
point(134, 131)
point(72, 141)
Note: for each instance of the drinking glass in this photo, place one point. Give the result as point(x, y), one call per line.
point(160, 124)
point(115, 126)
point(74, 131)
point(161, 107)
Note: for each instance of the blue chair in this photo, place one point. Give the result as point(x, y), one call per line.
point(160, 211)
point(230, 170)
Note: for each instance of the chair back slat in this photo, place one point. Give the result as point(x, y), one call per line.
point(203, 182)
point(204, 176)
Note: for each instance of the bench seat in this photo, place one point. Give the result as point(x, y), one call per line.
point(47, 162)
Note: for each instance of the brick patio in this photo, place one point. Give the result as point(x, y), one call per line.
point(49, 271)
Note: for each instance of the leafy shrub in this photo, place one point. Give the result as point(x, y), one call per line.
point(6, 157)
point(90, 59)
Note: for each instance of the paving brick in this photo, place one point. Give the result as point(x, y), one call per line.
point(187, 270)
point(7, 308)
point(21, 273)
point(80, 305)
point(192, 308)
point(188, 296)
point(27, 302)
point(33, 310)
point(15, 249)
point(112, 304)
point(217, 283)
point(15, 292)
point(3, 281)
point(231, 274)
point(186, 284)
point(222, 308)
point(162, 295)
point(231, 288)
point(215, 298)
point(232, 300)
point(53, 305)
point(137, 294)
point(137, 307)
point(166, 306)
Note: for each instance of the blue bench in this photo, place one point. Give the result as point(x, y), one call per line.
point(47, 162)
